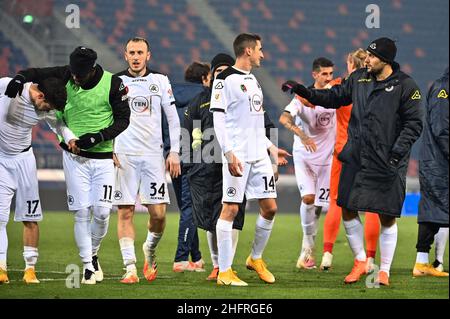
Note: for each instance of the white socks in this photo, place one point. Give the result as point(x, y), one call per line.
point(388, 242)
point(128, 253)
point(212, 244)
point(354, 230)
point(309, 224)
point(440, 241)
point(3, 245)
point(83, 239)
point(262, 233)
point(422, 258)
point(224, 244)
point(99, 227)
point(30, 255)
point(151, 243)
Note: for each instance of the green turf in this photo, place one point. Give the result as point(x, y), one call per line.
point(57, 250)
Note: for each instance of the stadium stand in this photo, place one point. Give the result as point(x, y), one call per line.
point(294, 33)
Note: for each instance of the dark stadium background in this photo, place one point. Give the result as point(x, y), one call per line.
point(35, 34)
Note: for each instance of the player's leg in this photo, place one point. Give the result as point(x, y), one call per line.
point(332, 218)
point(214, 252)
point(371, 234)
point(29, 212)
point(30, 250)
point(354, 231)
point(233, 189)
point(155, 195)
point(7, 190)
point(103, 180)
point(126, 191)
point(425, 237)
point(261, 185)
point(306, 182)
point(440, 241)
point(78, 182)
point(388, 243)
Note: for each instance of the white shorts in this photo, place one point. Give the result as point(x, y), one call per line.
point(257, 182)
point(90, 182)
point(18, 175)
point(143, 175)
point(313, 179)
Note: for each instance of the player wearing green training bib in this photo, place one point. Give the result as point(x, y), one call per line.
point(96, 112)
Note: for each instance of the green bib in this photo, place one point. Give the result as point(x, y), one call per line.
point(89, 111)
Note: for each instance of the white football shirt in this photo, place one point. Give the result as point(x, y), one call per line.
point(239, 95)
point(17, 118)
point(148, 95)
point(319, 124)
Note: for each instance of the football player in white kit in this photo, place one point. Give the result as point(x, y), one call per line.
point(18, 173)
point(140, 165)
point(314, 137)
point(237, 103)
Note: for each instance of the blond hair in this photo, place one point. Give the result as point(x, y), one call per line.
point(357, 57)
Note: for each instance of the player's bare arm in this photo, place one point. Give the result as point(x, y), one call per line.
point(288, 122)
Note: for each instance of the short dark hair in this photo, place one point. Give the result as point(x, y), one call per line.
point(196, 71)
point(243, 41)
point(321, 63)
point(138, 39)
point(55, 93)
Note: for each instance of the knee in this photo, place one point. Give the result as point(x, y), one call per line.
point(30, 225)
point(348, 215)
point(101, 213)
point(387, 221)
point(269, 212)
point(229, 211)
point(157, 215)
point(308, 199)
point(125, 214)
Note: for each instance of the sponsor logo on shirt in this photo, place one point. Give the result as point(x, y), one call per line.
point(257, 102)
point(324, 119)
point(139, 104)
point(219, 86)
point(70, 200)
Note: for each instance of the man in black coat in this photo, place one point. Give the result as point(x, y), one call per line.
point(433, 177)
point(386, 120)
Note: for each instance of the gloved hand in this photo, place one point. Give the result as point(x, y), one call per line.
point(296, 88)
point(15, 86)
point(88, 140)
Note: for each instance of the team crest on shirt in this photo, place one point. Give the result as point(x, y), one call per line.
point(117, 195)
point(217, 97)
point(70, 199)
point(243, 88)
point(231, 192)
point(154, 88)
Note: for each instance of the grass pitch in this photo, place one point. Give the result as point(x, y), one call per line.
point(57, 250)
